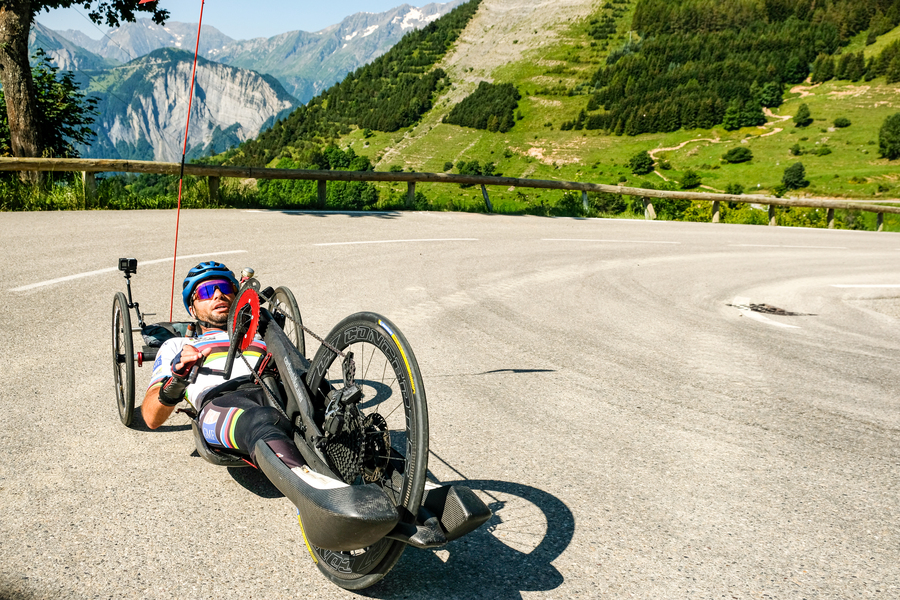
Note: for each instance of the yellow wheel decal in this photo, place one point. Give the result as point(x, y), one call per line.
point(403, 354)
point(306, 541)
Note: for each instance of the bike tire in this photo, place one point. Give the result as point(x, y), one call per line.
point(123, 359)
point(389, 375)
point(283, 301)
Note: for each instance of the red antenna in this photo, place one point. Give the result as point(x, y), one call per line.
point(183, 152)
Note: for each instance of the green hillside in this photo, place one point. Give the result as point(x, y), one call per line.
point(574, 94)
point(556, 83)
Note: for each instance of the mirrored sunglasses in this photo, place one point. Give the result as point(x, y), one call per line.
point(207, 289)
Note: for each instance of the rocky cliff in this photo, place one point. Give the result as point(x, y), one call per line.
point(143, 107)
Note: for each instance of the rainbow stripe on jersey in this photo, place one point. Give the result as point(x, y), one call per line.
point(217, 341)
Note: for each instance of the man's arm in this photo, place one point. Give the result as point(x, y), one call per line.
point(153, 410)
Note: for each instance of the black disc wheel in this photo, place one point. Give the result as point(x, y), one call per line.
point(284, 306)
point(123, 359)
point(393, 418)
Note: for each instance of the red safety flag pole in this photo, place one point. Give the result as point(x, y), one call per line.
point(183, 152)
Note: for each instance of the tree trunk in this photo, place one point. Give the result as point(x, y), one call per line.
point(18, 86)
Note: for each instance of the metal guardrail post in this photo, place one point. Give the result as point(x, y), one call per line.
point(879, 222)
point(649, 212)
point(213, 184)
point(323, 192)
point(410, 194)
point(89, 182)
point(584, 202)
point(715, 211)
point(830, 217)
point(487, 200)
point(772, 221)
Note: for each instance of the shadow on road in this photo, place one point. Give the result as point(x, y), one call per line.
point(138, 424)
point(255, 481)
point(510, 554)
point(347, 213)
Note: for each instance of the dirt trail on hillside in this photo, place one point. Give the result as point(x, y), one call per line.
point(653, 152)
point(487, 44)
point(803, 89)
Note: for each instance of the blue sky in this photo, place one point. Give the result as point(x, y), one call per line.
point(241, 19)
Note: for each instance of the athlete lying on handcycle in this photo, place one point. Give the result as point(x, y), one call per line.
point(234, 419)
point(348, 449)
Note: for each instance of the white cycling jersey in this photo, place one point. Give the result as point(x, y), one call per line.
point(218, 341)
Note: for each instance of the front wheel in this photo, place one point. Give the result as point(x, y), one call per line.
point(123, 359)
point(394, 426)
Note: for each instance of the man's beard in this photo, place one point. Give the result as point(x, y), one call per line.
point(218, 322)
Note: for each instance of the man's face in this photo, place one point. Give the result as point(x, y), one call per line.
point(213, 310)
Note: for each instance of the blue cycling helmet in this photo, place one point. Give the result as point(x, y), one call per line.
point(205, 270)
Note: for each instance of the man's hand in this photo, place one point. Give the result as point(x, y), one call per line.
point(185, 360)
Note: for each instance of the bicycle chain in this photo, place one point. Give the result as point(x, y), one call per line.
point(313, 334)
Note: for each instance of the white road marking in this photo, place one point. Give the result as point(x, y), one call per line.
point(783, 246)
point(743, 305)
point(867, 285)
point(102, 271)
point(398, 241)
point(606, 241)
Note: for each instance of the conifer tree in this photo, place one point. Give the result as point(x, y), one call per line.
point(889, 138)
point(892, 74)
point(771, 95)
point(802, 118)
point(794, 176)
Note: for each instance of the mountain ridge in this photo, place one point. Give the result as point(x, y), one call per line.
point(305, 62)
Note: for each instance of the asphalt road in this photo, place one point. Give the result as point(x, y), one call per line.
point(638, 431)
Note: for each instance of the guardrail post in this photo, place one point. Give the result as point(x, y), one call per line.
point(213, 184)
point(90, 187)
point(772, 221)
point(323, 192)
point(715, 215)
point(879, 222)
point(649, 213)
point(487, 200)
point(584, 202)
point(410, 194)
point(830, 216)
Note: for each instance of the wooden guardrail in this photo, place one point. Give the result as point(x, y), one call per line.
point(88, 167)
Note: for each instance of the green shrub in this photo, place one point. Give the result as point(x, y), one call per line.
point(794, 177)
point(641, 163)
point(802, 118)
point(690, 180)
point(842, 122)
point(889, 138)
point(735, 189)
point(738, 155)
point(605, 203)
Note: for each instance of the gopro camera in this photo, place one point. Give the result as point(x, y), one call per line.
point(128, 265)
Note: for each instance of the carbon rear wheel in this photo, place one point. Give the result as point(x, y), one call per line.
point(123, 359)
point(284, 303)
point(394, 420)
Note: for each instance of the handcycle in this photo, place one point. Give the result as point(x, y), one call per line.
point(359, 418)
